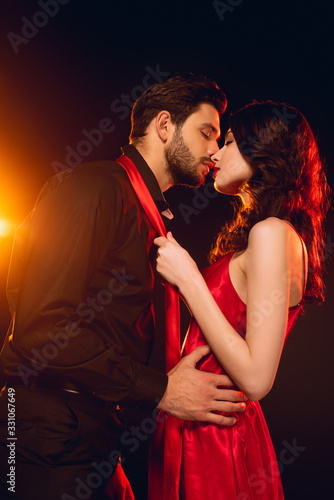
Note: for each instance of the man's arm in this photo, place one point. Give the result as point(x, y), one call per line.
point(70, 312)
point(195, 395)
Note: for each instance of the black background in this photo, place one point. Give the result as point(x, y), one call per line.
point(70, 70)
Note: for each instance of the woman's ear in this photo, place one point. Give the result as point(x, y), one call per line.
point(164, 126)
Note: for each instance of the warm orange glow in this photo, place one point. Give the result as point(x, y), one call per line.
point(17, 196)
point(5, 228)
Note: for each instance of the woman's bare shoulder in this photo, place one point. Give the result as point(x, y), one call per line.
point(269, 232)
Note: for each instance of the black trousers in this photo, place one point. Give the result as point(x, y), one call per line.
point(60, 447)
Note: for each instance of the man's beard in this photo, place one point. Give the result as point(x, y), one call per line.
point(182, 165)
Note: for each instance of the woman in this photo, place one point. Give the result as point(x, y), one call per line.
point(265, 264)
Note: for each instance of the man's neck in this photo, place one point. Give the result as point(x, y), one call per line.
point(155, 159)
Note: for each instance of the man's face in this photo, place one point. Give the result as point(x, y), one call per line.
point(189, 153)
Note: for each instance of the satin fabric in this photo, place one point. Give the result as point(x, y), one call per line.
point(220, 463)
point(172, 305)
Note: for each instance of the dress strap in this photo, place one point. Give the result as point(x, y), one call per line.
point(304, 261)
point(304, 264)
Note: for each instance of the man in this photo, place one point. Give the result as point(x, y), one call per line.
point(80, 290)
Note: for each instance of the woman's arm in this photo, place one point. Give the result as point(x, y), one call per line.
point(251, 363)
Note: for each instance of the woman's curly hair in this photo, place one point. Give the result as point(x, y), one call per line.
point(289, 182)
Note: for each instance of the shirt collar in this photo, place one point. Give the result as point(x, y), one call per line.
point(149, 179)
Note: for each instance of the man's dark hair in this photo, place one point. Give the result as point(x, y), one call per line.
point(181, 95)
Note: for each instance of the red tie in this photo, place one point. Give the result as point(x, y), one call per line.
point(172, 305)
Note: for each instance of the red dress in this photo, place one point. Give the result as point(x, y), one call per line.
point(208, 461)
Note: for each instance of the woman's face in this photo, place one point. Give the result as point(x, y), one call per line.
point(231, 170)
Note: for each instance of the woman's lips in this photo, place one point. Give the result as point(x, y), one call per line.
point(214, 172)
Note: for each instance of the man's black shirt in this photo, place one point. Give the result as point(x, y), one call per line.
point(80, 285)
